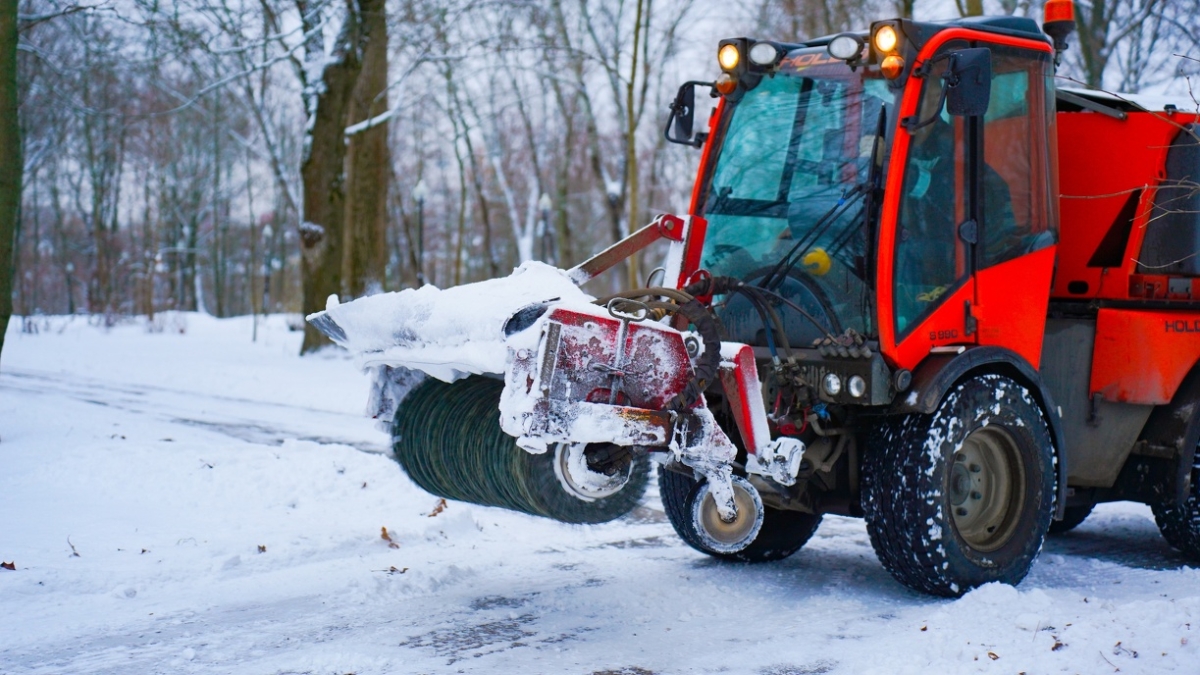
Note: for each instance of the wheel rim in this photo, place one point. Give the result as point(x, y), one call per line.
point(986, 488)
point(733, 536)
point(570, 465)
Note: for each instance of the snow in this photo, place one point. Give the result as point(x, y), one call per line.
point(453, 332)
point(199, 447)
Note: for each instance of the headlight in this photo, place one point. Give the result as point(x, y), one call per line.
point(886, 39)
point(832, 384)
point(763, 54)
point(729, 57)
point(857, 386)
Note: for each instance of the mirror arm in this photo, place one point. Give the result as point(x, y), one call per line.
point(913, 122)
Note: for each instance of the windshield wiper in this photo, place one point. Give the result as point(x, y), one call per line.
point(869, 189)
point(801, 247)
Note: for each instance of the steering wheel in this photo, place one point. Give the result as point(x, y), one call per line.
point(743, 323)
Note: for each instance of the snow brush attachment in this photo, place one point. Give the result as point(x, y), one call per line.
point(447, 438)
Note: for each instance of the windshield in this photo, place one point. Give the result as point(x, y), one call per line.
point(787, 200)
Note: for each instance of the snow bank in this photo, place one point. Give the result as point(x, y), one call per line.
point(447, 333)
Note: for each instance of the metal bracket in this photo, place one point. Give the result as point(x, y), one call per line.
point(779, 460)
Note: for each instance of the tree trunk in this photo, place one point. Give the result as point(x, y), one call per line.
point(322, 170)
point(11, 164)
point(364, 261)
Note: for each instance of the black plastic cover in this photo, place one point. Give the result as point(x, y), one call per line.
point(1172, 243)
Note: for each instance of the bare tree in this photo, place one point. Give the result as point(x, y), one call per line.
point(11, 163)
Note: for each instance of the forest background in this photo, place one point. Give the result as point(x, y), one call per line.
point(253, 156)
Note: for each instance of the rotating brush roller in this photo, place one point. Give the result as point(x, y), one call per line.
point(447, 438)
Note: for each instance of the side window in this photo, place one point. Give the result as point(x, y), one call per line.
point(930, 257)
point(1014, 192)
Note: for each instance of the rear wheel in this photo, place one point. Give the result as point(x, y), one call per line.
point(1180, 522)
point(964, 496)
point(1073, 518)
point(781, 533)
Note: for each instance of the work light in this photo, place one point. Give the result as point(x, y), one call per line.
point(729, 57)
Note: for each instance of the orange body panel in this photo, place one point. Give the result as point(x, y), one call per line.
point(1141, 356)
point(945, 326)
point(1012, 303)
point(1095, 190)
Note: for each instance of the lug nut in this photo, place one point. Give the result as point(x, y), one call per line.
point(975, 468)
point(960, 511)
point(976, 495)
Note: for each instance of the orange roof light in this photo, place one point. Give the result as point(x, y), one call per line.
point(1059, 10)
point(725, 84)
point(892, 66)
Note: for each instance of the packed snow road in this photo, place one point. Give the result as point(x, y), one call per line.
point(182, 502)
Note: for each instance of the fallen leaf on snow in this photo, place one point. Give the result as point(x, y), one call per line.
point(438, 508)
point(262, 549)
point(993, 655)
point(383, 534)
point(12, 566)
point(1118, 650)
point(1057, 645)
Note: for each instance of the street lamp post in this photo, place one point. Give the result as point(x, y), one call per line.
point(419, 192)
point(544, 205)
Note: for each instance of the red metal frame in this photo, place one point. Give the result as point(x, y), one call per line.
point(694, 245)
point(743, 391)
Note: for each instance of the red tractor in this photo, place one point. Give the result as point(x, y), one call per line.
point(912, 286)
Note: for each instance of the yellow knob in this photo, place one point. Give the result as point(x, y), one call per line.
point(816, 262)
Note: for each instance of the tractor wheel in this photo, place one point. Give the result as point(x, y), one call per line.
point(1180, 523)
point(1072, 519)
point(963, 496)
point(781, 534)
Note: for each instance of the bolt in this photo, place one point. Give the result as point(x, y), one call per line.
point(976, 495)
point(960, 511)
point(959, 457)
point(975, 468)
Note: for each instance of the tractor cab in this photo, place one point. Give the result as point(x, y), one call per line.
point(893, 187)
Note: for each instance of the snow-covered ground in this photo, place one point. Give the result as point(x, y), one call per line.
point(195, 502)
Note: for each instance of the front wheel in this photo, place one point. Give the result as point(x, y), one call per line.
point(780, 534)
point(963, 496)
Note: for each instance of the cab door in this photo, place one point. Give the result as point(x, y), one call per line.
point(974, 209)
point(1016, 188)
point(931, 283)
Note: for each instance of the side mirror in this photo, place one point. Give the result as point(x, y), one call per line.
point(685, 111)
point(968, 84)
point(683, 116)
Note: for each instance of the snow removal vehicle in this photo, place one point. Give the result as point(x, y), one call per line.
point(917, 283)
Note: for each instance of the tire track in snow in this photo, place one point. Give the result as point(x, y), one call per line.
point(273, 423)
